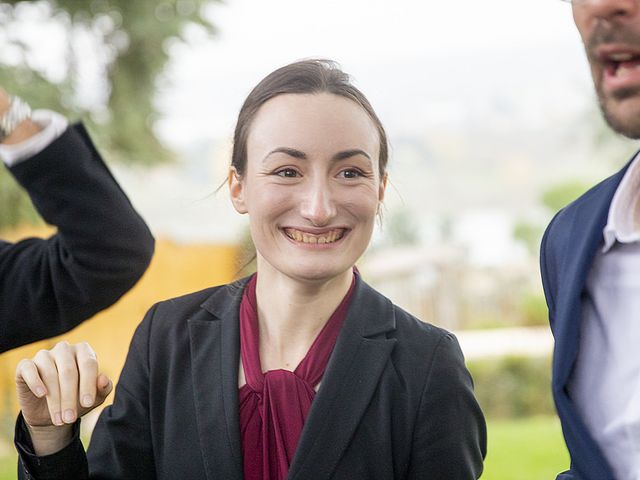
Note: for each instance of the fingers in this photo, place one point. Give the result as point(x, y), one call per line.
point(104, 388)
point(27, 374)
point(48, 372)
point(64, 382)
point(88, 369)
point(68, 375)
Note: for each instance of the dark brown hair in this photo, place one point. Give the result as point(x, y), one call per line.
point(303, 77)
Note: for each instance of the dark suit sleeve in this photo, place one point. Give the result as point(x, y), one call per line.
point(101, 248)
point(450, 437)
point(121, 444)
point(70, 462)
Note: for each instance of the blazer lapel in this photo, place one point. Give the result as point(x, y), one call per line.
point(584, 240)
point(215, 350)
point(351, 377)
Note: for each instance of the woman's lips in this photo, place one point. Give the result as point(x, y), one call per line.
point(315, 238)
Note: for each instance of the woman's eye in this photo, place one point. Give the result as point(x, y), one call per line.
point(351, 173)
point(287, 173)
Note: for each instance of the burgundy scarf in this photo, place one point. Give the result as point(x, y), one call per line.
point(274, 405)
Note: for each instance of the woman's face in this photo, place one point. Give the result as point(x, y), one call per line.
point(311, 185)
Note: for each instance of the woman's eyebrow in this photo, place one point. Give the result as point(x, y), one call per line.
point(292, 152)
point(350, 153)
point(343, 155)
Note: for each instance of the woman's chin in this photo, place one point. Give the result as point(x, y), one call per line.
point(317, 272)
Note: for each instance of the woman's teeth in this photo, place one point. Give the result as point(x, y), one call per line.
point(305, 237)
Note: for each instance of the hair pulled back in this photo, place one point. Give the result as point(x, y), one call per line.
point(302, 77)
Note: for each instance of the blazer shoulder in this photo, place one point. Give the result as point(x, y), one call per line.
point(180, 309)
point(416, 335)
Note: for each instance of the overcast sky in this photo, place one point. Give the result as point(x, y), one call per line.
point(434, 41)
point(425, 65)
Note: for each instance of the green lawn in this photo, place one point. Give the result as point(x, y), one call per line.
point(8, 468)
point(525, 449)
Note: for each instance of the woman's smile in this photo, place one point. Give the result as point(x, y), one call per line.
point(325, 237)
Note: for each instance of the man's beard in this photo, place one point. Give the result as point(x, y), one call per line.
point(623, 126)
point(605, 33)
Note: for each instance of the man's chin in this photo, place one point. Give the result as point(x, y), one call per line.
point(622, 112)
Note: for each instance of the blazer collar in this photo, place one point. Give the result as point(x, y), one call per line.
point(586, 234)
point(215, 352)
point(351, 377)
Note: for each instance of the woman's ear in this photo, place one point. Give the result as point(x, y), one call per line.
point(382, 188)
point(236, 190)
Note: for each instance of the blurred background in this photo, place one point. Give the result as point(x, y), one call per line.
point(493, 125)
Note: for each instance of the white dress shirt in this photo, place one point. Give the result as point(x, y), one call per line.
point(53, 125)
point(605, 384)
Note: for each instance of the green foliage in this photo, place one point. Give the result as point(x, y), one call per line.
point(534, 310)
point(512, 387)
point(401, 228)
point(133, 41)
point(560, 195)
point(529, 234)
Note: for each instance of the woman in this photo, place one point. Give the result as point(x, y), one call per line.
point(208, 390)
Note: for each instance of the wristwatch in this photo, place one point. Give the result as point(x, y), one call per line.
point(17, 112)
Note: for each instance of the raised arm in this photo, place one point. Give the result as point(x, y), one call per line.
point(101, 248)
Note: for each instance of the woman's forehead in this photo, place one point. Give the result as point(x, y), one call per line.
point(316, 122)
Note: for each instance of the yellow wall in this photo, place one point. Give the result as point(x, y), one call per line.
point(175, 270)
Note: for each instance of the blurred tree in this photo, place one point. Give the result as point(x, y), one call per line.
point(560, 195)
point(529, 234)
point(554, 198)
point(128, 42)
point(401, 229)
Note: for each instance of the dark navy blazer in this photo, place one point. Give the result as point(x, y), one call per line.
point(569, 246)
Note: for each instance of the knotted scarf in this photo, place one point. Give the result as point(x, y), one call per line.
point(274, 405)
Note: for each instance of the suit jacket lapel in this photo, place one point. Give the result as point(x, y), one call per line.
point(215, 351)
point(351, 377)
point(584, 240)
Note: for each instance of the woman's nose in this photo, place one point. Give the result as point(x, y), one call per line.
point(318, 205)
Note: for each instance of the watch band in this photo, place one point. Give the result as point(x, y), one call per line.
point(17, 112)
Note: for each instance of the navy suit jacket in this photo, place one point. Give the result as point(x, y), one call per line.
point(101, 248)
point(396, 402)
point(568, 249)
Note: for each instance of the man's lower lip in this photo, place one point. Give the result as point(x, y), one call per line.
point(612, 82)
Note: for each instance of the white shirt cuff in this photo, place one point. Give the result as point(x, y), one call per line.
point(53, 125)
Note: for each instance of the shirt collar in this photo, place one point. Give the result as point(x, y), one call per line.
point(623, 223)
